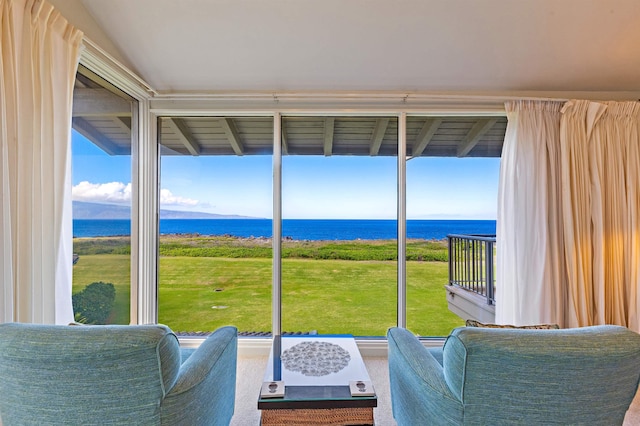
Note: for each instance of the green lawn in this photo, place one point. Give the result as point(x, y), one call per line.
point(198, 293)
point(108, 268)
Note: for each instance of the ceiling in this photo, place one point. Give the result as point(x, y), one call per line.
point(374, 45)
point(487, 47)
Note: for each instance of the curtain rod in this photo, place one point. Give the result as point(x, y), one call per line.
point(92, 53)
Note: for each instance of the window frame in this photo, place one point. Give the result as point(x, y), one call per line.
point(143, 177)
point(146, 158)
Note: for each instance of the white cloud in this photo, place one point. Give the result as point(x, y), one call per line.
point(168, 199)
point(120, 193)
point(112, 192)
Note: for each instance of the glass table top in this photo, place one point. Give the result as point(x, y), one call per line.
point(316, 371)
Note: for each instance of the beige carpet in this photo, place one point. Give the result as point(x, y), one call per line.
point(251, 370)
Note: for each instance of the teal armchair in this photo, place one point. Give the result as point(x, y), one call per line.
point(114, 375)
point(490, 376)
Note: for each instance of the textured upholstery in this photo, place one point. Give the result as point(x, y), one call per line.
point(110, 375)
point(493, 376)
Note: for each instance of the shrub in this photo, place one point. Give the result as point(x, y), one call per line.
point(93, 304)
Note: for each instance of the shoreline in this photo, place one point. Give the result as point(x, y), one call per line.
point(285, 238)
point(196, 245)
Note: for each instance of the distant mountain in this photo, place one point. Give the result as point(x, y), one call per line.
point(84, 210)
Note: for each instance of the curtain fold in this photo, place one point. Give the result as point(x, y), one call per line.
point(40, 52)
point(528, 269)
point(600, 171)
point(576, 127)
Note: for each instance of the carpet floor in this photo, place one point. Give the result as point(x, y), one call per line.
point(251, 370)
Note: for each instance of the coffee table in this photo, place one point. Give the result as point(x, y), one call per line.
point(307, 381)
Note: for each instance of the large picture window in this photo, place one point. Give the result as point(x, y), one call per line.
point(339, 225)
point(339, 199)
point(451, 189)
point(102, 141)
point(215, 223)
point(333, 191)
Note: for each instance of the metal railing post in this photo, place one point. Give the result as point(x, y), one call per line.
point(489, 268)
point(451, 260)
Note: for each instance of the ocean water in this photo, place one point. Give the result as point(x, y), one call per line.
point(297, 229)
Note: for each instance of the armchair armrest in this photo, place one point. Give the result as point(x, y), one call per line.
point(204, 392)
point(419, 391)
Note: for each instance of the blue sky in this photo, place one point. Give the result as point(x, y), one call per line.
point(336, 187)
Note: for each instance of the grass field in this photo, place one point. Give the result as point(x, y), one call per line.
point(202, 285)
point(108, 268)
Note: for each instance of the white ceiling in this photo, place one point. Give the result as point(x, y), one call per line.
point(376, 45)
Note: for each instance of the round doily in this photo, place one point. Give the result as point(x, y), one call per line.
point(315, 358)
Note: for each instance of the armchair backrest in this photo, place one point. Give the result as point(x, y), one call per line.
point(587, 374)
point(82, 373)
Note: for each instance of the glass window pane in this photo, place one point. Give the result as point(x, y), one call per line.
point(215, 265)
point(445, 195)
point(339, 269)
point(101, 175)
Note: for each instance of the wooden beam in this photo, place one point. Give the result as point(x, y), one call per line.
point(423, 139)
point(329, 123)
point(181, 130)
point(164, 150)
point(378, 135)
point(232, 135)
point(123, 124)
point(285, 138)
point(83, 127)
point(99, 103)
point(475, 134)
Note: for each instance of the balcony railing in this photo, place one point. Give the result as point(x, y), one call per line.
point(471, 264)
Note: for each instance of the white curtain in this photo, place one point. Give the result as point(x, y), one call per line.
point(528, 269)
point(568, 229)
point(39, 59)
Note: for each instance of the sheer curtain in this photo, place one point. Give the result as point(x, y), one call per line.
point(568, 235)
point(39, 58)
point(528, 269)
